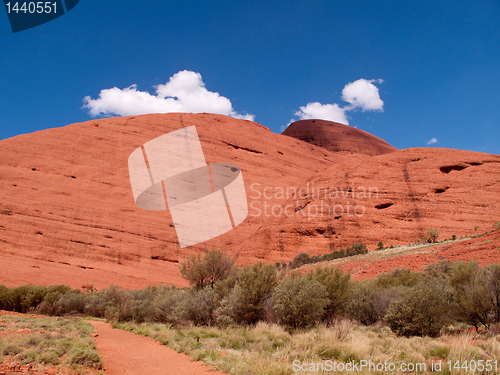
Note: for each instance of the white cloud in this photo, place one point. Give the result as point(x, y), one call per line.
point(331, 112)
point(361, 94)
point(432, 141)
point(184, 92)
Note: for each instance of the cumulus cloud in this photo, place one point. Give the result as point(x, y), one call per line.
point(184, 92)
point(361, 94)
point(432, 141)
point(317, 110)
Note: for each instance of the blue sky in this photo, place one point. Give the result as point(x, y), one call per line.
point(434, 65)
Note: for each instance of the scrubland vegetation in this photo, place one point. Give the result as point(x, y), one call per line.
point(259, 319)
point(48, 342)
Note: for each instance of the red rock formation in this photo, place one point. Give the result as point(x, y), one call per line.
point(337, 137)
point(67, 214)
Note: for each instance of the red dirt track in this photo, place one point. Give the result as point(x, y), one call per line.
point(130, 354)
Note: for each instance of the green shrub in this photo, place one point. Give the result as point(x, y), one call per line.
point(441, 270)
point(253, 287)
point(362, 303)
point(167, 301)
point(11, 349)
point(28, 356)
point(398, 277)
point(337, 285)
point(299, 302)
point(33, 341)
point(141, 307)
point(422, 310)
point(197, 306)
point(70, 304)
point(49, 358)
point(87, 357)
point(473, 300)
point(380, 245)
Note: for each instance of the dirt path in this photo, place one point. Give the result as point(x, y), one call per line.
point(126, 353)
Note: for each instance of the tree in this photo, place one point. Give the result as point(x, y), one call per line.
point(380, 245)
point(200, 273)
point(299, 302)
point(433, 235)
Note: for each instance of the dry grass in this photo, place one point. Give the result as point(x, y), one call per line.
point(267, 349)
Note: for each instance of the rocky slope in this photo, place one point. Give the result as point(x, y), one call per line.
point(67, 213)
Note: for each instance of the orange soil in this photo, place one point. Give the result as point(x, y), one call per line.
point(485, 250)
point(126, 353)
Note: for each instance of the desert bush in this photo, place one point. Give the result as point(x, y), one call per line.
point(141, 306)
point(398, 277)
point(496, 226)
point(441, 270)
point(355, 249)
point(5, 298)
point(88, 357)
point(299, 302)
point(49, 357)
point(337, 285)
point(380, 245)
point(96, 304)
point(11, 349)
point(28, 356)
point(473, 301)
point(70, 304)
point(362, 303)
point(254, 285)
point(198, 306)
point(493, 288)
point(304, 258)
point(421, 310)
point(433, 235)
point(200, 273)
point(117, 308)
point(167, 302)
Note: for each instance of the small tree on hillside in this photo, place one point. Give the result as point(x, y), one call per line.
point(433, 235)
point(214, 266)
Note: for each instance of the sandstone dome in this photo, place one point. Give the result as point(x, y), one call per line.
point(337, 137)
